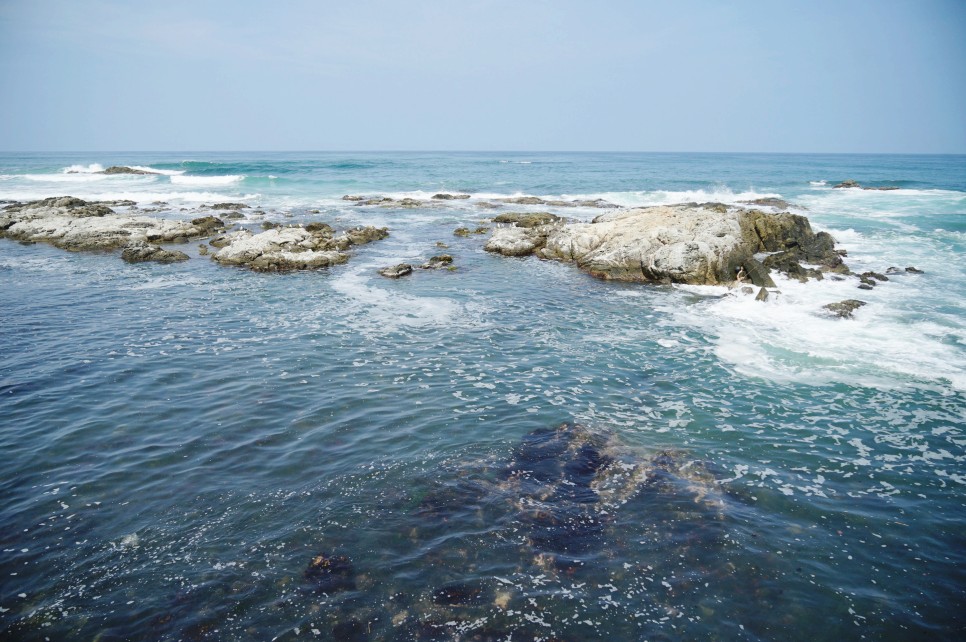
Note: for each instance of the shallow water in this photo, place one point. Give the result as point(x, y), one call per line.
point(181, 441)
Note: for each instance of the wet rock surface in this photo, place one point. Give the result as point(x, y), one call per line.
point(853, 184)
point(74, 224)
point(122, 169)
point(396, 271)
point(292, 248)
point(698, 244)
point(844, 309)
point(143, 252)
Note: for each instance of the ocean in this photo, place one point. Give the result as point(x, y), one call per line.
point(200, 452)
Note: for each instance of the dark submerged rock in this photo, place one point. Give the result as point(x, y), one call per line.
point(330, 573)
point(459, 594)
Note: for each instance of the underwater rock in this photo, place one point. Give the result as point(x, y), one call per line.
point(330, 573)
point(396, 271)
point(459, 594)
point(142, 252)
point(844, 309)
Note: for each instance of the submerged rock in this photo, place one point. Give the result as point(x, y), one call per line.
point(141, 252)
point(330, 573)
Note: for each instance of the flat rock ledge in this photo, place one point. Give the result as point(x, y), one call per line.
point(74, 224)
point(143, 252)
point(696, 244)
point(284, 249)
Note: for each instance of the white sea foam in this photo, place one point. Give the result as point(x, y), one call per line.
point(83, 169)
point(790, 337)
point(211, 181)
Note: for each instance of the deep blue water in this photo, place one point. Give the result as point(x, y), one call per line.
point(181, 441)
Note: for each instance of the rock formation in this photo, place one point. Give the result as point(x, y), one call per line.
point(74, 224)
point(695, 244)
point(291, 248)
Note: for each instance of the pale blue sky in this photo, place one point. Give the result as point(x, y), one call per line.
point(689, 75)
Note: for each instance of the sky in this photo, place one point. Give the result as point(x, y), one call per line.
point(877, 76)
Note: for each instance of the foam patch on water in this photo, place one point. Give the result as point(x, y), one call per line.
point(379, 310)
point(790, 338)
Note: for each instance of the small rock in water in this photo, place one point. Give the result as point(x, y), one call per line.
point(141, 252)
point(396, 271)
point(438, 262)
point(450, 197)
point(912, 270)
point(844, 309)
point(762, 295)
point(462, 231)
point(203, 250)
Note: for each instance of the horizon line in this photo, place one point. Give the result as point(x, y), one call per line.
point(459, 151)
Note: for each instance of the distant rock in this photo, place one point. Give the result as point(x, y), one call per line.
point(777, 203)
point(908, 270)
point(353, 197)
point(844, 309)
point(142, 252)
point(536, 200)
point(229, 206)
point(695, 244)
point(450, 197)
point(121, 169)
point(396, 271)
point(851, 184)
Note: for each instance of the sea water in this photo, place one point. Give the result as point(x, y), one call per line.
point(181, 441)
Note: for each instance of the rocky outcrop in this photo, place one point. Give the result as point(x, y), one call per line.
point(396, 271)
point(844, 309)
point(851, 184)
point(442, 261)
point(291, 248)
point(536, 200)
point(695, 244)
point(450, 197)
point(527, 219)
point(74, 224)
point(143, 252)
point(121, 169)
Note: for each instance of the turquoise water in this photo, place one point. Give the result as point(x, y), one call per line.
point(181, 441)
